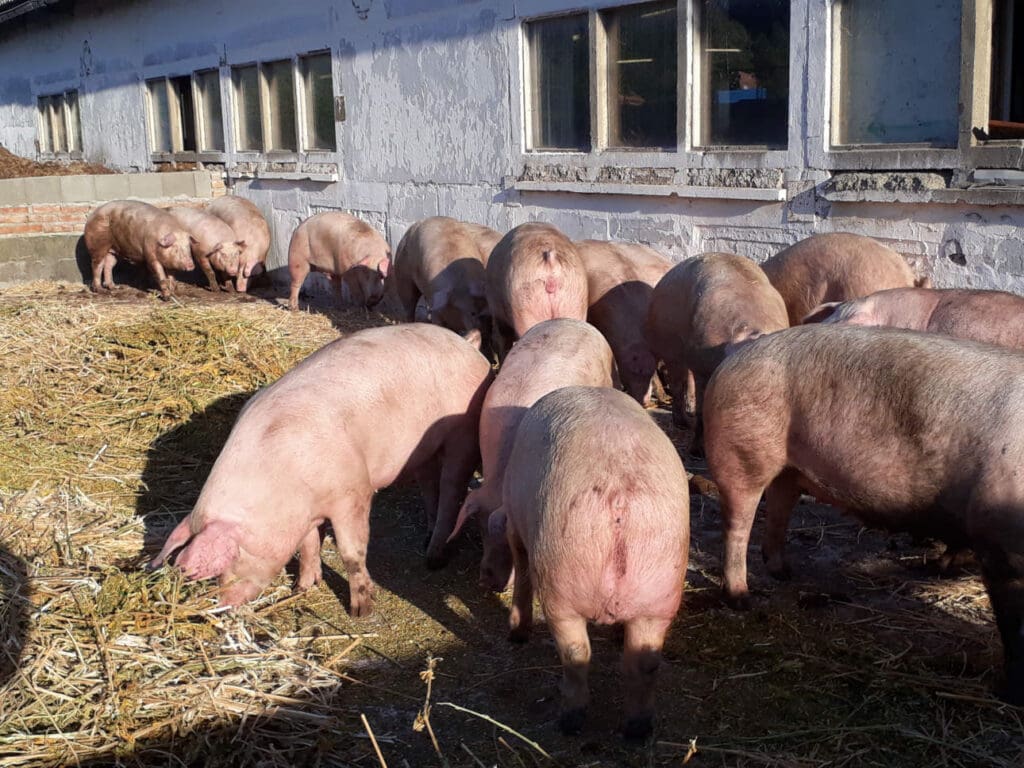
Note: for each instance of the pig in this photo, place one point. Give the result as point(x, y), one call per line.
point(138, 232)
point(908, 431)
point(992, 317)
point(552, 354)
point(620, 281)
point(699, 309)
point(443, 260)
point(534, 273)
point(359, 414)
point(250, 227)
point(596, 509)
point(352, 253)
point(835, 267)
point(213, 243)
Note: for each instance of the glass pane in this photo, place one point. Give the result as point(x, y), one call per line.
point(211, 122)
point(60, 131)
point(319, 93)
point(1007, 104)
point(745, 72)
point(74, 121)
point(182, 87)
point(247, 108)
point(642, 75)
point(896, 72)
point(160, 115)
point(46, 127)
point(281, 100)
point(560, 91)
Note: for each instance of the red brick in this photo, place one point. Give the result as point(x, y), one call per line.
point(20, 229)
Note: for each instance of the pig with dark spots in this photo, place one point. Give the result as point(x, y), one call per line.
point(534, 274)
point(835, 267)
point(908, 431)
point(701, 308)
point(443, 260)
point(317, 444)
point(214, 245)
point(141, 233)
point(620, 282)
point(552, 354)
point(597, 513)
point(349, 251)
point(250, 227)
point(992, 317)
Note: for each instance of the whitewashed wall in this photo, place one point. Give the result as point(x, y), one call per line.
point(433, 126)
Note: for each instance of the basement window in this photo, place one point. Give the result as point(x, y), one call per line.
point(559, 61)
point(60, 125)
point(895, 72)
point(1007, 84)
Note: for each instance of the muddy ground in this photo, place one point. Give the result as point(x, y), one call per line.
point(867, 657)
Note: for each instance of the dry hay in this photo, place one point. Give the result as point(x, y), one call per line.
point(111, 413)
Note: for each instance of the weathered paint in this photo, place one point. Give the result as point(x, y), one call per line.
point(433, 125)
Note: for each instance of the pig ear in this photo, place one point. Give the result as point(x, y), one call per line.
point(474, 337)
point(469, 508)
point(240, 243)
point(384, 267)
point(439, 299)
point(195, 241)
point(166, 241)
point(821, 313)
point(346, 293)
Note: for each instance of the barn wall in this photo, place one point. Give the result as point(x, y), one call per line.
point(433, 125)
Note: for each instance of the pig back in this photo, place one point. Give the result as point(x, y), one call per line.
point(599, 496)
point(209, 230)
point(246, 221)
point(834, 267)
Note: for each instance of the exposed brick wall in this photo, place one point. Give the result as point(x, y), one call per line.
point(62, 218)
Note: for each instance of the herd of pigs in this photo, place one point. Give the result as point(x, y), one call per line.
point(918, 426)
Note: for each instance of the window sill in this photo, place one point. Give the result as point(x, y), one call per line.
point(983, 195)
point(651, 190)
point(323, 178)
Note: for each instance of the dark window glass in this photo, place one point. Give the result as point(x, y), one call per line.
point(247, 108)
point(182, 88)
point(1007, 71)
point(642, 75)
point(560, 87)
point(745, 72)
point(318, 88)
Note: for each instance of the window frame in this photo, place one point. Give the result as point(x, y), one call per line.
point(177, 152)
point(303, 108)
point(72, 131)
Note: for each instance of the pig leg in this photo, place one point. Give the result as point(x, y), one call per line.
point(211, 278)
point(780, 498)
point(520, 617)
point(573, 643)
point(677, 375)
point(310, 568)
point(641, 658)
point(298, 269)
point(460, 459)
point(351, 522)
point(502, 338)
point(108, 271)
point(165, 283)
point(739, 504)
point(428, 478)
point(1003, 572)
point(700, 383)
point(408, 295)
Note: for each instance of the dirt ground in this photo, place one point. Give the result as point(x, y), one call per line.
point(14, 167)
point(116, 407)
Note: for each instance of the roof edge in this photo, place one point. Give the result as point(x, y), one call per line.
point(13, 8)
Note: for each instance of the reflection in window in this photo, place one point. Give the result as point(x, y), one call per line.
point(281, 103)
point(74, 121)
point(247, 108)
point(744, 72)
point(318, 90)
point(642, 75)
point(1007, 104)
point(160, 115)
point(211, 124)
point(560, 83)
point(896, 71)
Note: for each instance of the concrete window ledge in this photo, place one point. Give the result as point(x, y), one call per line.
point(325, 178)
point(651, 190)
point(970, 196)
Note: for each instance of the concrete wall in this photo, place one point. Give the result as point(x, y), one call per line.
point(433, 125)
point(42, 218)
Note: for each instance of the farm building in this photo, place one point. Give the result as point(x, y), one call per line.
point(692, 126)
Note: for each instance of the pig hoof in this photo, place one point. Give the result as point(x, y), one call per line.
point(571, 721)
point(738, 602)
point(362, 609)
point(638, 728)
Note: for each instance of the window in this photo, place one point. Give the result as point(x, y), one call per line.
point(60, 123)
point(247, 108)
point(743, 77)
point(318, 95)
point(560, 83)
point(175, 123)
point(1007, 84)
point(895, 72)
point(279, 116)
point(642, 80)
